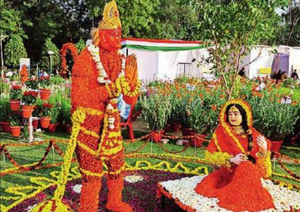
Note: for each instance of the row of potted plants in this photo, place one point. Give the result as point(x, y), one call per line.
point(41, 111)
point(194, 105)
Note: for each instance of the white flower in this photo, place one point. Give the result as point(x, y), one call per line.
point(77, 188)
point(30, 208)
point(133, 178)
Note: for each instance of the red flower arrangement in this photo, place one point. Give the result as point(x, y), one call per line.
point(29, 97)
point(46, 109)
point(16, 92)
point(44, 81)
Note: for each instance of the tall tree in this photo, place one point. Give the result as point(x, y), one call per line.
point(292, 24)
point(47, 58)
point(14, 50)
point(11, 26)
point(232, 26)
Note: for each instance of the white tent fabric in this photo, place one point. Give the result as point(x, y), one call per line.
point(162, 64)
point(294, 60)
point(262, 57)
point(165, 59)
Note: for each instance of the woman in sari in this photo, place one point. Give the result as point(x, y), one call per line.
point(244, 156)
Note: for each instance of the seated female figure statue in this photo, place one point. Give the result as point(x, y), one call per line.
point(244, 156)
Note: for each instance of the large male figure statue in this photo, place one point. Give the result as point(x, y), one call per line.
point(99, 75)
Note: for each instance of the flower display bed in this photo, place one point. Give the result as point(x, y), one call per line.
point(182, 190)
point(139, 191)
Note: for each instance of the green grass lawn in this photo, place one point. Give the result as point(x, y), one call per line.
point(30, 154)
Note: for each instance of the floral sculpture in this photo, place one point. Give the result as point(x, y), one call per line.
point(244, 156)
point(100, 74)
point(98, 78)
point(24, 74)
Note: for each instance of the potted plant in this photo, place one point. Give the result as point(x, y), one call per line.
point(45, 115)
point(15, 124)
point(272, 118)
point(44, 85)
point(29, 100)
point(4, 114)
point(32, 85)
point(156, 111)
point(15, 96)
point(54, 113)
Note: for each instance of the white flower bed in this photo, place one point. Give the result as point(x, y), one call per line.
point(133, 178)
point(183, 190)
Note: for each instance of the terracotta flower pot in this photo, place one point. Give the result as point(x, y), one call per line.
point(27, 111)
point(276, 146)
point(52, 127)
point(5, 126)
point(157, 135)
point(15, 131)
point(187, 131)
point(35, 122)
point(45, 93)
point(175, 127)
point(14, 105)
point(45, 122)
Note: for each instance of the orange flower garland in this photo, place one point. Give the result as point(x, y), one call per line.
point(63, 52)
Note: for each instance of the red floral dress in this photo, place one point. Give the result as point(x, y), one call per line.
point(237, 188)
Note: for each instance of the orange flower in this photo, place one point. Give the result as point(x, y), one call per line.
point(214, 107)
point(294, 102)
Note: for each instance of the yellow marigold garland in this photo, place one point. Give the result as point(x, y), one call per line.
point(264, 162)
point(218, 158)
point(88, 132)
point(124, 84)
point(77, 118)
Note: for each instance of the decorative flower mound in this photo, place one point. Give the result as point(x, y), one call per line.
point(44, 82)
point(16, 92)
point(72, 48)
point(46, 110)
point(183, 190)
point(29, 97)
point(133, 178)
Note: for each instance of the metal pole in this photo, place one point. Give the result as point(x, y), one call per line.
point(50, 64)
point(2, 62)
point(30, 130)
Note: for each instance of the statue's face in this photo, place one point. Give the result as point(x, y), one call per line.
point(234, 116)
point(110, 39)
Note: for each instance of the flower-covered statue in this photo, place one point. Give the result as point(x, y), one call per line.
point(100, 74)
point(244, 156)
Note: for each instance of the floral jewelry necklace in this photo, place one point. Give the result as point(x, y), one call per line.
point(102, 75)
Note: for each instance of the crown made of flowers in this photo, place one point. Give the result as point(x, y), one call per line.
point(111, 18)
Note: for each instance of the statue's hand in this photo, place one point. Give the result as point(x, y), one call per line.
point(262, 143)
point(239, 158)
point(131, 70)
